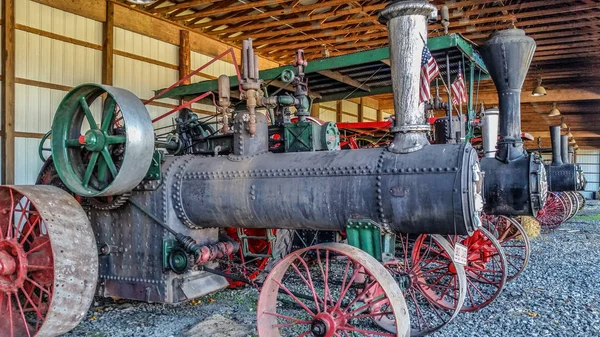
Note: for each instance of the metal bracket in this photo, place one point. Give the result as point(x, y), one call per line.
point(270, 237)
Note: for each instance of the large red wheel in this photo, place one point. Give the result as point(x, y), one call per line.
point(574, 201)
point(554, 212)
point(328, 290)
point(514, 241)
point(253, 266)
point(434, 287)
point(486, 268)
point(48, 261)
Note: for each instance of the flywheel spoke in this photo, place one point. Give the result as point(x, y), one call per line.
point(88, 113)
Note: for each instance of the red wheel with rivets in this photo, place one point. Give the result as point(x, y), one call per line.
point(48, 261)
point(486, 268)
point(258, 244)
point(434, 286)
point(328, 290)
point(514, 241)
point(554, 212)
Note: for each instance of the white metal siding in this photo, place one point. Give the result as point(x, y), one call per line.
point(590, 163)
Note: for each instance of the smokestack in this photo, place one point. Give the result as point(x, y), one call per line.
point(489, 133)
point(555, 139)
point(507, 56)
point(407, 34)
point(564, 149)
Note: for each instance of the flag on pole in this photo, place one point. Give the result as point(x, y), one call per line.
point(459, 95)
point(429, 70)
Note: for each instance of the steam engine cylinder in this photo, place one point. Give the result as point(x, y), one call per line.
point(434, 190)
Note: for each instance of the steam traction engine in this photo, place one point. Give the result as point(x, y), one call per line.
point(160, 210)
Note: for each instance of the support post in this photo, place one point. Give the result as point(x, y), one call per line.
point(185, 66)
point(470, 109)
point(361, 111)
point(315, 110)
point(108, 44)
point(379, 115)
point(8, 92)
point(338, 110)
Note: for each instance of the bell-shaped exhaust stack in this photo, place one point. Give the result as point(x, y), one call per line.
point(555, 139)
point(507, 56)
point(515, 182)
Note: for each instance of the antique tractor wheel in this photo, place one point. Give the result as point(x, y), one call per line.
point(48, 262)
point(434, 287)
point(330, 289)
point(252, 267)
point(554, 212)
point(486, 268)
point(572, 196)
point(514, 241)
point(106, 156)
point(581, 200)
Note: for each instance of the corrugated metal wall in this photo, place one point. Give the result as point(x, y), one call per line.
point(590, 162)
point(47, 67)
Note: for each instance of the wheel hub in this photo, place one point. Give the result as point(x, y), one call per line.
point(93, 140)
point(13, 265)
point(324, 325)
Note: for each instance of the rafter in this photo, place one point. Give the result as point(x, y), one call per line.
point(251, 4)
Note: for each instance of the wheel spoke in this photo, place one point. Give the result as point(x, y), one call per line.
point(88, 113)
point(90, 169)
point(102, 171)
point(115, 140)
point(23, 315)
point(109, 162)
point(109, 113)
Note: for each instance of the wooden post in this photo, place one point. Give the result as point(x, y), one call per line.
point(379, 115)
point(185, 65)
point(7, 125)
point(315, 110)
point(108, 44)
point(338, 112)
point(361, 111)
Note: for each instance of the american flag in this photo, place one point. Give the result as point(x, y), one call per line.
point(459, 95)
point(429, 70)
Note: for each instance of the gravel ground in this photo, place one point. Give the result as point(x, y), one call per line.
point(558, 295)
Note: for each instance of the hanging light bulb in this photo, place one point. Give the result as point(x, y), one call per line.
point(142, 2)
point(575, 147)
point(563, 125)
point(554, 112)
point(539, 90)
point(569, 133)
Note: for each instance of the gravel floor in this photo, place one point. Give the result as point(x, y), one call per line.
point(558, 295)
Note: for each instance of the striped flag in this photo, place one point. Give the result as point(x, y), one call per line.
point(459, 94)
point(429, 70)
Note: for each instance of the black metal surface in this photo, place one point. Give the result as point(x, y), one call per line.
point(507, 56)
point(429, 191)
point(564, 149)
point(555, 140)
point(446, 132)
point(562, 177)
point(510, 187)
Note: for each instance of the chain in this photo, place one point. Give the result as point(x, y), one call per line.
point(244, 270)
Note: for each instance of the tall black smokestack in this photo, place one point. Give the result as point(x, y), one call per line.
point(507, 56)
point(564, 149)
point(555, 139)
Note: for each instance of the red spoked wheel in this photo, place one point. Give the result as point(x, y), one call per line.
point(485, 270)
point(434, 287)
point(554, 212)
point(514, 241)
point(253, 266)
point(48, 261)
point(330, 289)
point(574, 201)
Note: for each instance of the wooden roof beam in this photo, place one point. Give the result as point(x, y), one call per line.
point(334, 75)
point(251, 4)
point(270, 13)
point(181, 5)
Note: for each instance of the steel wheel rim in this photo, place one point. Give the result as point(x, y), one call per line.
point(485, 270)
point(41, 294)
point(552, 214)
point(434, 292)
point(330, 317)
point(514, 241)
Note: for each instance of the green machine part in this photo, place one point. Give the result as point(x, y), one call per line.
point(308, 136)
point(366, 234)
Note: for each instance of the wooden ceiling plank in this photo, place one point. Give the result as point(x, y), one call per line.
point(251, 4)
point(270, 13)
point(334, 75)
point(181, 5)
